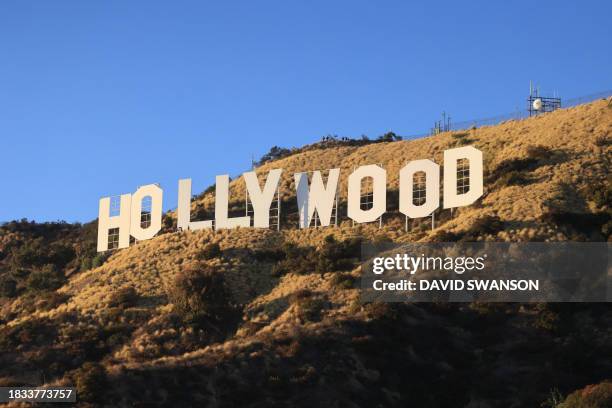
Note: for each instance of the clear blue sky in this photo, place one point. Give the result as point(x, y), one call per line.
point(99, 97)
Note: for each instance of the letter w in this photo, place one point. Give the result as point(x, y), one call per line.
point(320, 197)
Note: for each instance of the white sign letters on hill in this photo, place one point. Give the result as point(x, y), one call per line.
point(114, 231)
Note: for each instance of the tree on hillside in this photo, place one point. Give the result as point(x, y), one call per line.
point(275, 153)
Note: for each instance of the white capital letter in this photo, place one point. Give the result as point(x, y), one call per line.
point(121, 221)
point(451, 197)
point(379, 196)
point(184, 209)
point(262, 200)
point(320, 196)
point(432, 188)
point(222, 219)
point(136, 229)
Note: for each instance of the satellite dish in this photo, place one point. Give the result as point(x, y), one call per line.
point(537, 104)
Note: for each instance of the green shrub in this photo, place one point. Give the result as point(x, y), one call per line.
point(168, 222)
point(89, 259)
point(331, 256)
point(86, 264)
point(28, 254)
point(275, 153)
point(49, 277)
point(336, 256)
point(98, 260)
point(300, 260)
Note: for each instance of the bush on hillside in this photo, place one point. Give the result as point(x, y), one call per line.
point(274, 153)
point(512, 171)
point(583, 223)
point(51, 300)
point(602, 141)
point(49, 277)
point(389, 137)
point(198, 294)
point(336, 256)
point(37, 253)
point(210, 251)
point(268, 255)
point(85, 264)
point(36, 331)
point(461, 138)
point(168, 223)
point(460, 135)
point(92, 262)
point(600, 193)
point(512, 165)
point(124, 297)
point(331, 256)
point(8, 287)
point(98, 260)
point(538, 152)
point(91, 381)
point(512, 178)
point(488, 224)
point(445, 236)
point(308, 306)
point(299, 260)
point(343, 281)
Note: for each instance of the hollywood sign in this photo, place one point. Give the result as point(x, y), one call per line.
point(311, 196)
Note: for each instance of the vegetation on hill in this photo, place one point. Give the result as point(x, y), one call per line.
point(272, 318)
point(277, 153)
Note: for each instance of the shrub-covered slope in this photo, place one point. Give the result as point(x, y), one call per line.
point(271, 318)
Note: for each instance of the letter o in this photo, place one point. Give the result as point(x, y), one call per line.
point(432, 188)
point(379, 197)
point(156, 194)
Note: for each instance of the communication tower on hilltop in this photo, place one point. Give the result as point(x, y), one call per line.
point(537, 104)
point(443, 125)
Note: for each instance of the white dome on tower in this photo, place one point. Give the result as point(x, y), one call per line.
point(537, 104)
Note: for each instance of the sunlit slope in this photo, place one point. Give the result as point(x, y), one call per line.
point(578, 153)
point(546, 179)
point(573, 132)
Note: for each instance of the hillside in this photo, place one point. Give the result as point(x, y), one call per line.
point(284, 326)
